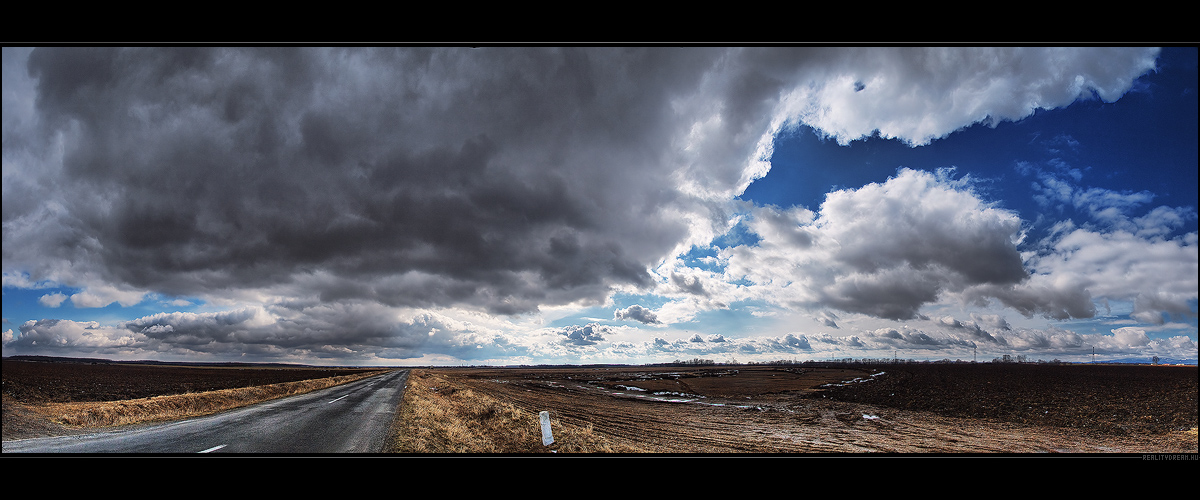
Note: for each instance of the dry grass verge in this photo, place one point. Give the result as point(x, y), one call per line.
point(441, 416)
point(177, 406)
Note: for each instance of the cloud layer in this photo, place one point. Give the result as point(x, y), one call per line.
point(364, 202)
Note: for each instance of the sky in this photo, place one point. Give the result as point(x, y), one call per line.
point(577, 205)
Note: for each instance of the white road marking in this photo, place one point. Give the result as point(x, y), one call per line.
point(214, 448)
point(338, 398)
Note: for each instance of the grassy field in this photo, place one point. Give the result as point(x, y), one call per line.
point(440, 415)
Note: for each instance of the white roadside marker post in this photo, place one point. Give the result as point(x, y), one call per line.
point(547, 438)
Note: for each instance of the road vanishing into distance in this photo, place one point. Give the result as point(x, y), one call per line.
point(349, 418)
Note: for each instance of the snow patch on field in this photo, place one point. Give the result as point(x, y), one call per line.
point(855, 380)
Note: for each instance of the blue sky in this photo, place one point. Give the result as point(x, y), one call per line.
point(512, 205)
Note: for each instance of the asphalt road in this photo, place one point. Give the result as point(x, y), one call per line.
point(350, 418)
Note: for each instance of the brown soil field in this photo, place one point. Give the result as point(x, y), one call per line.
point(902, 408)
point(913, 408)
point(63, 382)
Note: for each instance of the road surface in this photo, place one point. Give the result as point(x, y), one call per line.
point(349, 418)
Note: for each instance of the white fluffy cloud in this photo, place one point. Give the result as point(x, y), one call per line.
point(1157, 274)
point(884, 249)
point(636, 313)
point(52, 299)
point(887, 250)
point(66, 334)
point(917, 95)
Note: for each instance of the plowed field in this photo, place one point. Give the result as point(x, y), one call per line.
point(34, 383)
point(916, 408)
point(63, 382)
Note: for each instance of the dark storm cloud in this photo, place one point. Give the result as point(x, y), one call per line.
point(297, 331)
point(499, 177)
